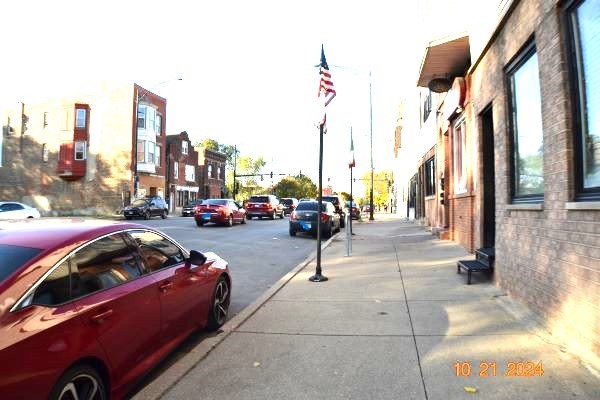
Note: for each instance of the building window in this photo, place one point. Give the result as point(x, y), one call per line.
point(184, 147)
point(150, 147)
point(79, 150)
point(45, 152)
point(210, 171)
point(526, 126)
point(427, 106)
point(190, 173)
point(80, 118)
point(218, 172)
point(157, 156)
point(430, 177)
point(151, 112)
point(175, 170)
point(140, 151)
point(158, 126)
point(141, 118)
point(459, 152)
point(583, 21)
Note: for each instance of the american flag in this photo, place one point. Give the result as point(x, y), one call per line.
point(326, 84)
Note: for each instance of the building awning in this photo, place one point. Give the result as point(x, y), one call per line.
point(445, 58)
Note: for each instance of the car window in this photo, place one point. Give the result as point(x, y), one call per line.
point(54, 289)
point(11, 207)
point(139, 202)
point(103, 264)
point(310, 206)
point(157, 252)
point(259, 199)
point(13, 257)
point(216, 202)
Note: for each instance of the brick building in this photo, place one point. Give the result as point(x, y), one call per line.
point(532, 153)
point(212, 173)
point(182, 171)
point(72, 153)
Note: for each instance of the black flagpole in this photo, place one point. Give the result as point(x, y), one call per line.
point(318, 277)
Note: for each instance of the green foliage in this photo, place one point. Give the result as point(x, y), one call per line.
point(298, 186)
point(381, 187)
point(345, 196)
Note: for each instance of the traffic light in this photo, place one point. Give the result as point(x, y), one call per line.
point(271, 174)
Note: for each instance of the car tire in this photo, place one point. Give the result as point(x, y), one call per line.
point(281, 215)
point(147, 215)
point(230, 221)
point(219, 305)
point(243, 221)
point(342, 221)
point(163, 215)
point(199, 223)
point(248, 217)
point(272, 216)
point(127, 217)
point(80, 381)
point(327, 233)
point(292, 232)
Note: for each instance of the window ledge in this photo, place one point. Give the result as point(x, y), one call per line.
point(582, 205)
point(526, 207)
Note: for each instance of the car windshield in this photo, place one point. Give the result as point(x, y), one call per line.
point(259, 199)
point(287, 202)
point(139, 202)
point(216, 202)
point(310, 206)
point(13, 257)
point(194, 203)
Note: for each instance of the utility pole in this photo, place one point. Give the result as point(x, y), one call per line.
point(371, 115)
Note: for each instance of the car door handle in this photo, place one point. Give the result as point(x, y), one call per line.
point(165, 286)
point(99, 318)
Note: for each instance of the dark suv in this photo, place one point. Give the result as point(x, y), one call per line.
point(151, 206)
point(339, 205)
point(265, 205)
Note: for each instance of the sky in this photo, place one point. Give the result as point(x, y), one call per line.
point(247, 68)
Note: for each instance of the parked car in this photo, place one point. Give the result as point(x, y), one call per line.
point(15, 210)
point(289, 204)
point(340, 207)
point(304, 219)
point(366, 208)
point(88, 307)
point(188, 209)
point(354, 210)
point(219, 211)
point(147, 207)
point(264, 206)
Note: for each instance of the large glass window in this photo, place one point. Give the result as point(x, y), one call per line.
point(190, 173)
point(526, 126)
point(430, 177)
point(459, 164)
point(150, 147)
point(157, 156)
point(141, 117)
point(175, 170)
point(158, 126)
point(184, 147)
point(584, 28)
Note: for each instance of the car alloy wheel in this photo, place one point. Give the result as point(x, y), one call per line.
point(147, 215)
point(230, 221)
point(163, 215)
point(220, 305)
point(243, 220)
point(81, 382)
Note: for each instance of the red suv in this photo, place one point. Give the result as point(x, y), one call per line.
point(264, 206)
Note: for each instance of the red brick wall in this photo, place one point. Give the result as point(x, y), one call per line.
point(461, 221)
point(548, 258)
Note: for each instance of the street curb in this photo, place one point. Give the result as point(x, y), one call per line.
point(169, 378)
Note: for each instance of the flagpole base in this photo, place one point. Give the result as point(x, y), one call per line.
point(318, 278)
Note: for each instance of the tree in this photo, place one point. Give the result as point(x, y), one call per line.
point(299, 186)
point(247, 186)
point(381, 186)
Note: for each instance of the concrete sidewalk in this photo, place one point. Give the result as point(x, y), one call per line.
point(394, 321)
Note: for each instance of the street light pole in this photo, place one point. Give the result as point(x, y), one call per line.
point(371, 120)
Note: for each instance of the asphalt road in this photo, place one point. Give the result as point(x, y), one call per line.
point(258, 252)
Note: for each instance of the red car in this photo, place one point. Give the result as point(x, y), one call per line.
point(219, 211)
point(88, 307)
point(264, 206)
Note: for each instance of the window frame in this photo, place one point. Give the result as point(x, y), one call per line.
point(184, 147)
point(430, 176)
point(577, 97)
point(523, 56)
point(175, 170)
point(460, 185)
point(80, 123)
point(83, 151)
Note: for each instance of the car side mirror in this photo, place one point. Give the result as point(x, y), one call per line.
point(196, 258)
